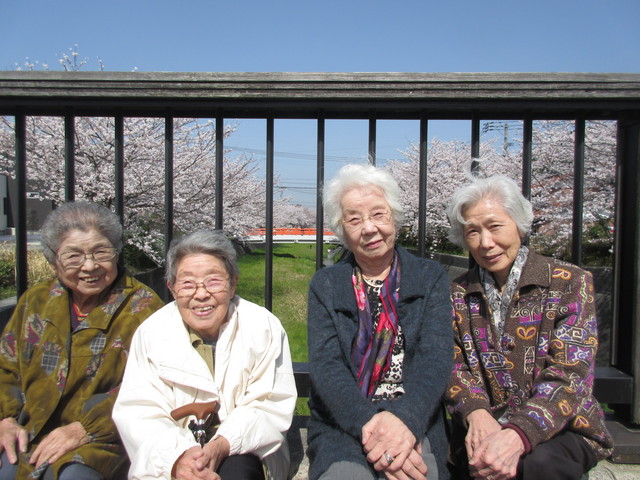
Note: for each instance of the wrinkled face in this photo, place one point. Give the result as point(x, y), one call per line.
point(91, 278)
point(492, 238)
point(374, 237)
point(202, 310)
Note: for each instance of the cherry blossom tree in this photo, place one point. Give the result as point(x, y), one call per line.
point(244, 191)
point(194, 174)
point(448, 164)
point(448, 167)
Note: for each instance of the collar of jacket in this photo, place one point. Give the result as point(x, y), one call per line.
point(410, 284)
point(120, 289)
point(537, 271)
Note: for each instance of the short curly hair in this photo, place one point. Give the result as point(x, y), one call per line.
point(83, 216)
point(353, 176)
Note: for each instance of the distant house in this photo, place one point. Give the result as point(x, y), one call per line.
point(37, 207)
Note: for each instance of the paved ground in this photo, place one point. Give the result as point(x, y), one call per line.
point(605, 470)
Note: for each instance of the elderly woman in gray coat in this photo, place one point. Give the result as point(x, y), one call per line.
point(379, 343)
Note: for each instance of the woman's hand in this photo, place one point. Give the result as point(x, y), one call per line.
point(10, 434)
point(202, 463)
point(413, 467)
point(386, 433)
point(481, 425)
point(497, 456)
point(187, 466)
point(58, 442)
point(214, 452)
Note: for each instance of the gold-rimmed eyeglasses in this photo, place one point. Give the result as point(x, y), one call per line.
point(77, 259)
point(355, 222)
point(188, 288)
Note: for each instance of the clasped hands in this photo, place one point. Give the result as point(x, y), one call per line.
point(493, 452)
point(387, 434)
point(201, 463)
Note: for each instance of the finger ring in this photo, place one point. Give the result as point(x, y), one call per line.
point(388, 458)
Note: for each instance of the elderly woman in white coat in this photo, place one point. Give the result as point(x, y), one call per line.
point(209, 344)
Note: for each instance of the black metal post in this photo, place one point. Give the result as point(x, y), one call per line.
point(319, 195)
point(578, 192)
point(219, 172)
point(422, 188)
point(69, 159)
point(268, 293)
point(21, 220)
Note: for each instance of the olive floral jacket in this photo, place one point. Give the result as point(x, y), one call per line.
point(50, 377)
point(538, 378)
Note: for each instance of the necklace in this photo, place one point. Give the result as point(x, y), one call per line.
point(79, 314)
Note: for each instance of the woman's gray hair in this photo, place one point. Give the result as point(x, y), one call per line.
point(360, 176)
point(83, 216)
point(206, 242)
point(498, 187)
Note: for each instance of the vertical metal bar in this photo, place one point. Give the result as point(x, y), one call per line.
point(578, 191)
point(119, 167)
point(319, 195)
point(219, 172)
point(422, 188)
point(119, 172)
point(475, 143)
point(475, 154)
point(527, 161)
point(168, 182)
point(69, 159)
point(21, 220)
point(527, 156)
point(269, 218)
point(372, 141)
point(625, 333)
point(168, 192)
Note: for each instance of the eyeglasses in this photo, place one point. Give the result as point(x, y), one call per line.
point(77, 259)
point(355, 222)
point(188, 288)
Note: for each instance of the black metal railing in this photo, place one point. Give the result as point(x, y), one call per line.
point(370, 97)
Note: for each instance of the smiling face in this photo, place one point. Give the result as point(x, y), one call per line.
point(89, 280)
point(492, 238)
point(371, 243)
point(204, 312)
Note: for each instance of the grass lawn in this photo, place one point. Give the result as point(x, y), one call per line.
point(293, 266)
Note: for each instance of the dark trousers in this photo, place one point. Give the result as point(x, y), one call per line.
point(241, 467)
point(564, 457)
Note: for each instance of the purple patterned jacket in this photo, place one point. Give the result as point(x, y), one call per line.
point(538, 377)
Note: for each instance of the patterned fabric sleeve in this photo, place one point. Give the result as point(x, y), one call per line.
point(561, 396)
point(11, 398)
point(466, 391)
point(96, 411)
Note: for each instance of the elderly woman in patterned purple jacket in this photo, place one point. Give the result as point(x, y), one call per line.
point(525, 336)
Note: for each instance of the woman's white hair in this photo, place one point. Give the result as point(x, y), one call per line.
point(359, 176)
point(498, 187)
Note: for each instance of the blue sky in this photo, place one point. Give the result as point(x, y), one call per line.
point(327, 36)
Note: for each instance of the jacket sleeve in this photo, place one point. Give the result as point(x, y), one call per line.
point(564, 387)
point(334, 385)
point(427, 365)
point(263, 413)
point(11, 394)
point(466, 391)
point(96, 411)
point(142, 414)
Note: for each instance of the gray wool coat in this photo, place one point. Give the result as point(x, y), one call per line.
point(338, 409)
